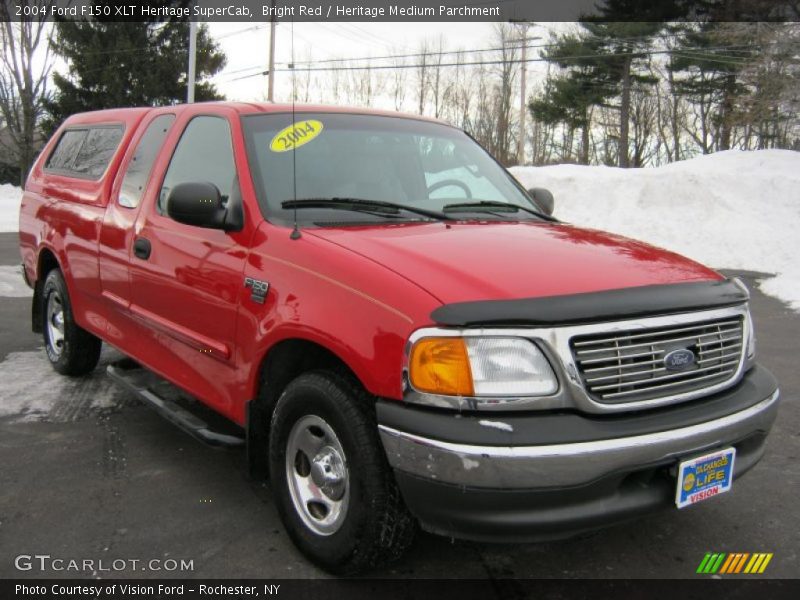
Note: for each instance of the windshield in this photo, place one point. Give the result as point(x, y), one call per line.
point(333, 156)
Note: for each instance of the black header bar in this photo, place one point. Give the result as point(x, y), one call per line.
point(403, 10)
point(407, 589)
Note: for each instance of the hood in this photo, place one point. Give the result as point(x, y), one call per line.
point(465, 261)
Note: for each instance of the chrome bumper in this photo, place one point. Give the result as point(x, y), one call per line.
point(564, 465)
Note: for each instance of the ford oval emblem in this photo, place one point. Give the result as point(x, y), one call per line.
point(678, 360)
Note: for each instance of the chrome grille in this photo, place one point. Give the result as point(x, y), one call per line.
point(628, 366)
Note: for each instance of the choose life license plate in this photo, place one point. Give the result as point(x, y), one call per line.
point(704, 477)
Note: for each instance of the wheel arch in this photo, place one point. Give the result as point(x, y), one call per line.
point(45, 262)
point(283, 362)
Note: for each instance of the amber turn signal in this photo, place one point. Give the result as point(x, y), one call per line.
point(441, 366)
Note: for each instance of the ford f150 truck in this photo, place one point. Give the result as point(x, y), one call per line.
point(401, 334)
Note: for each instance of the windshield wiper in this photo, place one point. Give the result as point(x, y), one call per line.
point(486, 205)
point(376, 207)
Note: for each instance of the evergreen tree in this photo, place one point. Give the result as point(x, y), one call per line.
point(604, 61)
point(621, 56)
point(611, 56)
point(706, 65)
point(114, 64)
point(568, 98)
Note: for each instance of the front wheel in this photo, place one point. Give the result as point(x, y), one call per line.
point(70, 349)
point(333, 487)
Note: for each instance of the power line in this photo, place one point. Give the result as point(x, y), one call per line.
point(419, 54)
point(675, 52)
point(239, 31)
point(487, 62)
point(385, 57)
point(432, 52)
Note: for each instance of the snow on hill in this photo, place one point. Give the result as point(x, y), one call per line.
point(735, 210)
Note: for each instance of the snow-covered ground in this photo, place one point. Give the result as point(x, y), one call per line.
point(12, 285)
point(32, 391)
point(735, 210)
point(10, 196)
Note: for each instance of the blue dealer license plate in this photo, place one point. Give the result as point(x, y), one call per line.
point(704, 477)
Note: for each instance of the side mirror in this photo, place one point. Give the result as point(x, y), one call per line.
point(544, 198)
point(198, 204)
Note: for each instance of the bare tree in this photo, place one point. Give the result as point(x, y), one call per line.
point(398, 83)
point(301, 80)
point(768, 115)
point(25, 67)
point(643, 126)
point(423, 72)
point(440, 90)
point(461, 90)
point(502, 137)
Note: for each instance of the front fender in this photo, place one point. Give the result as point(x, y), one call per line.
point(357, 309)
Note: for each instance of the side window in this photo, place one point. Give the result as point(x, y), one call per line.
point(138, 171)
point(85, 152)
point(204, 153)
point(66, 149)
point(97, 150)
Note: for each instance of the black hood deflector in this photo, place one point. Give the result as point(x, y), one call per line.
point(608, 305)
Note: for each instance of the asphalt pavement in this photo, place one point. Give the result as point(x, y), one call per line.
point(88, 473)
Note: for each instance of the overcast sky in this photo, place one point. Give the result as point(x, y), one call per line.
point(247, 47)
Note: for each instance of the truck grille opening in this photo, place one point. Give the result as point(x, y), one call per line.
point(629, 366)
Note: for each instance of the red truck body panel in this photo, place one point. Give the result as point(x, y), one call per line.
point(500, 261)
point(357, 291)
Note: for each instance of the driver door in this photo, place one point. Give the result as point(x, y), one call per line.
point(186, 280)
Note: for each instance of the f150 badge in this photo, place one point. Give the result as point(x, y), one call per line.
point(258, 289)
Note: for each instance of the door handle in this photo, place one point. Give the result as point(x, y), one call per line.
point(141, 248)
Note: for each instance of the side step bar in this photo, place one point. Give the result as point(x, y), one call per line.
point(142, 383)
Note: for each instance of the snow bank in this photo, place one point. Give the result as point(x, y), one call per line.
point(10, 196)
point(734, 210)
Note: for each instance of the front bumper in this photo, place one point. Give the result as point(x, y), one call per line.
point(522, 477)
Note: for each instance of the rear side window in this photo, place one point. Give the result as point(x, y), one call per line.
point(96, 151)
point(66, 149)
point(141, 164)
point(86, 152)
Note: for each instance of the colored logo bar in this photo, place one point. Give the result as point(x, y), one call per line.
point(734, 563)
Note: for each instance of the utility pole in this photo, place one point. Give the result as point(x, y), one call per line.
point(271, 67)
point(522, 82)
point(192, 62)
point(524, 39)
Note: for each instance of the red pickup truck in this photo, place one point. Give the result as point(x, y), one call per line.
point(401, 334)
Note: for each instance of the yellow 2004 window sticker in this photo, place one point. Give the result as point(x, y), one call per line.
point(295, 135)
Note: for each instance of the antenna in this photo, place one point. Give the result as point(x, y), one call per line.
point(295, 235)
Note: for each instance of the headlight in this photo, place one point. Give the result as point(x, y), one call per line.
point(751, 334)
point(480, 366)
point(751, 338)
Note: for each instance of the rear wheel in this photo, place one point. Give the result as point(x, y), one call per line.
point(70, 349)
point(334, 489)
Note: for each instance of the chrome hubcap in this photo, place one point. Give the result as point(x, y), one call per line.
point(55, 324)
point(316, 470)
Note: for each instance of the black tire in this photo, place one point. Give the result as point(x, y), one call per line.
point(375, 526)
point(70, 349)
